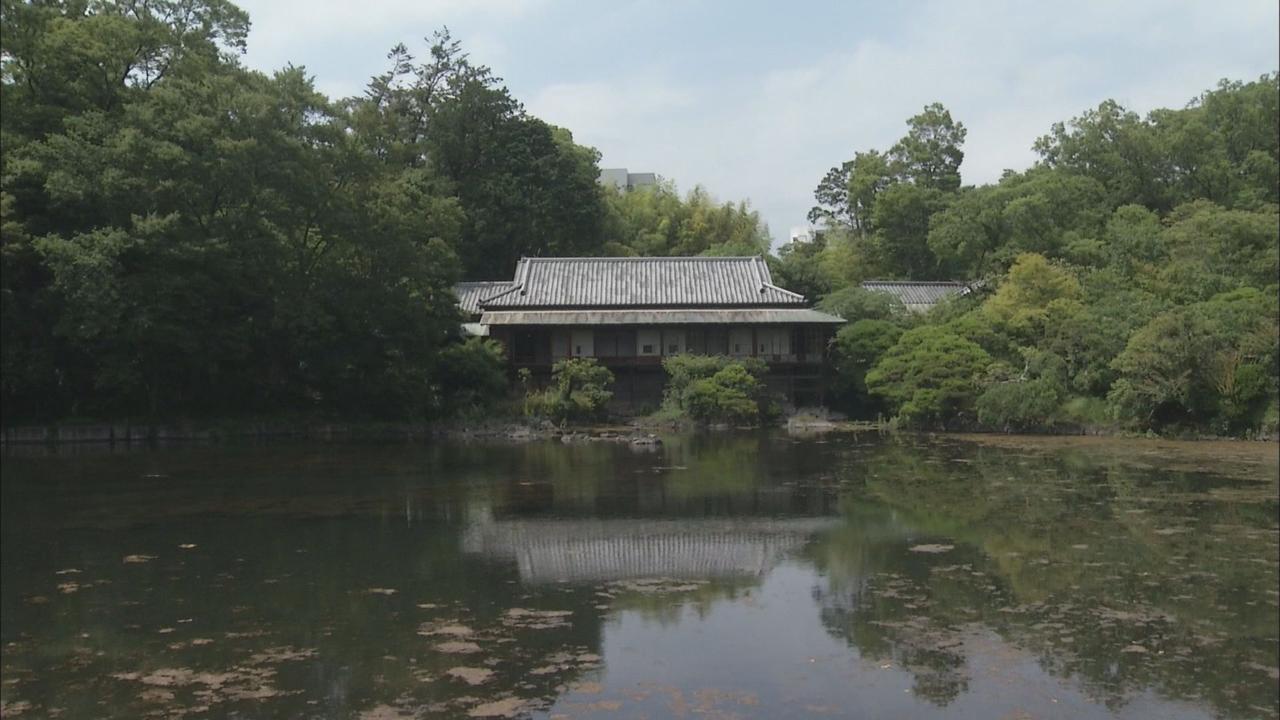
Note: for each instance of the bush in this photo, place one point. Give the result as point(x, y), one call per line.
point(856, 350)
point(717, 389)
point(579, 391)
point(1029, 405)
point(472, 376)
point(1086, 412)
point(729, 396)
point(929, 375)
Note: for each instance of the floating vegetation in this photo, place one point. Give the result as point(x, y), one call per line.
point(470, 675)
point(526, 619)
point(991, 583)
point(932, 549)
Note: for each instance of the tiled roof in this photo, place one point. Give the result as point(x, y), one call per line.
point(917, 293)
point(471, 293)
point(691, 316)
point(643, 282)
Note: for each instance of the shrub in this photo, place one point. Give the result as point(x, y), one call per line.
point(929, 375)
point(717, 388)
point(1028, 405)
point(856, 349)
point(578, 391)
point(472, 375)
point(729, 396)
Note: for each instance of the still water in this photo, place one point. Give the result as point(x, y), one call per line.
point(716, 576)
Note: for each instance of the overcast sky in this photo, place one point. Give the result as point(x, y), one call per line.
point(756, 100)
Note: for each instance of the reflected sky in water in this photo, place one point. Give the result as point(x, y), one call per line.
point(754, 575)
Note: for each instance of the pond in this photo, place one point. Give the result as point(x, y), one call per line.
point(753, 575)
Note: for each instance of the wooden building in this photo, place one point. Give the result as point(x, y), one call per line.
point(919, 296)
point(630, 313)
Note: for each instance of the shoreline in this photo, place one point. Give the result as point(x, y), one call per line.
point(635, 430)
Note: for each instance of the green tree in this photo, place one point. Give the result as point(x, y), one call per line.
point(929, 375)
point(1212, 362)
point(856, 303)
point(1034, 289)
point(716, 388)
point(857, 348)
point(902, 215)
point(930, 154)
point(1027, 405)
point(472, 376)
point(728, 396)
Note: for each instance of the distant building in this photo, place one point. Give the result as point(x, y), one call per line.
point(802, 234)
point(918, 296)
point(625, 181)
point(629, 313)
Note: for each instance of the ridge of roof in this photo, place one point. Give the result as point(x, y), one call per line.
point(915, 282)
point(641, 258)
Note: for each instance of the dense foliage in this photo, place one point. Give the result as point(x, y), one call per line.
point(180, 235)
point(579, 391)
point(1127, 280)
point(717, 389)
point(184, 236)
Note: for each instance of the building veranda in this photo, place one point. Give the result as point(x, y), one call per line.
point(630, 313)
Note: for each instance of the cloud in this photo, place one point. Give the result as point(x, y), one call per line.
point(750, 107)
point(1007, 70)
point(613, 114)
point(331, 38)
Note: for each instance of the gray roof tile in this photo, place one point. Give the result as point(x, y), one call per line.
point(719, 316)
point(643, 282)
point(917, 293)
point(471, 293)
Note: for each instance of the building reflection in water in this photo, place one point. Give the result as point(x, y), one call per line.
point(589, 551)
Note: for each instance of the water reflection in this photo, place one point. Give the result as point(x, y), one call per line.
point(752, 575)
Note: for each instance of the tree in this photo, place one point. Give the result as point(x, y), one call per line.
point(855, 303)
point(857, 348)
point(930, 155)
point(579, 391)
point(1033, 290)
point(1213, 250)
point(929, 375)
point(1208, 362)
point(901, 217)
point(832, 195)
point(1114, 146)
point(655, 220)
point(847, 194)
point(728, 396)
point(1026, 405)
point(525, 187)
point(716, 388)
point(966, 235)
point(799, 268)
point(472, 376)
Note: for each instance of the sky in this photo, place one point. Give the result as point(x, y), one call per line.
point(757, 100)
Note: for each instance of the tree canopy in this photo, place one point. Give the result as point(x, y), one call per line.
point(1133, 267)
point(184, 236)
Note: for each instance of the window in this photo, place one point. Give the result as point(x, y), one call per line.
point(647, 349)
point(673, 348)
